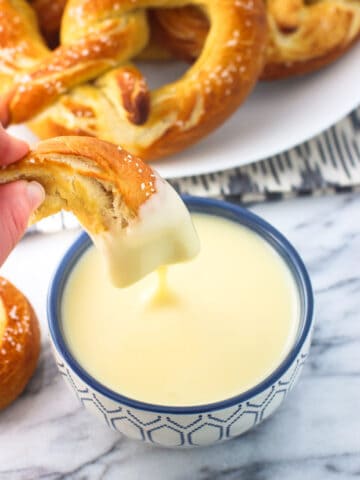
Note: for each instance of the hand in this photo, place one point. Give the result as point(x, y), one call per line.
point(18, 199)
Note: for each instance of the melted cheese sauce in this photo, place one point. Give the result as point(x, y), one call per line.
point(162, 234)
point(201, 332)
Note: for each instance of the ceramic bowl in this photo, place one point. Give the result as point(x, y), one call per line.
point(197, 425)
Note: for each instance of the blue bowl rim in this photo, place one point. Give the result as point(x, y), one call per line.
point(207, 206)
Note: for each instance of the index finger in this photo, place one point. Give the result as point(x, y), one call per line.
point(11, 148)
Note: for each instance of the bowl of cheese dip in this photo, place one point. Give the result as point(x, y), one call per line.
point(193, 354)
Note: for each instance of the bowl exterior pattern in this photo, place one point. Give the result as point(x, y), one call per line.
point(186, 430)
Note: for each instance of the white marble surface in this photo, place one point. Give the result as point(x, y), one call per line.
point(315, 435)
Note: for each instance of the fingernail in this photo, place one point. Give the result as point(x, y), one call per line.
point(35, 193)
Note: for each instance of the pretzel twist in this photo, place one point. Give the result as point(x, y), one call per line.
point(303, 36)
point(117, 106)
point(100, 39)
point(299, 40)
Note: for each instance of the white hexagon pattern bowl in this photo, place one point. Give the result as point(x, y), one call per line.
point(198, 425)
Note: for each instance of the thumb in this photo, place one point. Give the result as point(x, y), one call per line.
point(18, 200)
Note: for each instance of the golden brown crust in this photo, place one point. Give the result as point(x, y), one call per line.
point(19, 342)
point(134, 94)
point(72, 64)
point(180, 113)
point(34, 76)
point(31, 76)
point(279, 71)
point(305, 37)
point(183, 35)
point(21, 45)
point(302, 37)
point(97, 36)
point(182, 30)
point(99, 182)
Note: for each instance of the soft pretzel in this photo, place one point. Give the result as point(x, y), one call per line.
point(299, 40)
point(19, 342)
point(303, 36)
point(298, 43)
point(117, 106)
point(100, 183)
point(99, 40)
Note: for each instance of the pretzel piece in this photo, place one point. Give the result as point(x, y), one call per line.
point(133, 216)
point(99, 182)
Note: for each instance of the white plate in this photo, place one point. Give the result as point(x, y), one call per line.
point(276, 117)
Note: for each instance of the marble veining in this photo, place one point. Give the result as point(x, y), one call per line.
point(315, 434)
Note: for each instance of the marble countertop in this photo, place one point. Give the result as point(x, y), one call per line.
point(315, 435)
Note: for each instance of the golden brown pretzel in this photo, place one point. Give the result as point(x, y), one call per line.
point(303, 36)
point(99, 39)
point(180, 113)
point(99, 182)
point(295, 46)
point(184, 111)
point(19, 342)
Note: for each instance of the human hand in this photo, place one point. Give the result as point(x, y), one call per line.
point(17, 199)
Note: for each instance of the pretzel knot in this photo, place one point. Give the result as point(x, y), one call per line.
point(304, 35)
point(87, 86)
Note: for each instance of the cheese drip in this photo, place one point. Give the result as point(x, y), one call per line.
point(162, 234)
